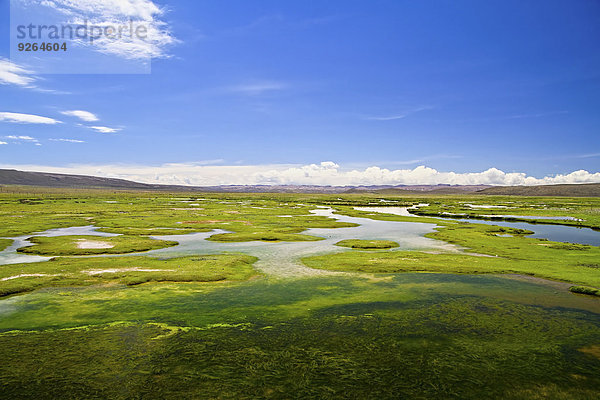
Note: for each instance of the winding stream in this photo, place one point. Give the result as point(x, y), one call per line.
point(555, 233)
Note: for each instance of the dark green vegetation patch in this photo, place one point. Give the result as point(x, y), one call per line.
point(585, 290)
point(367, 244)
point(88, 245)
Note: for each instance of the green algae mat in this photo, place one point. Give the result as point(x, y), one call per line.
point(408, 336)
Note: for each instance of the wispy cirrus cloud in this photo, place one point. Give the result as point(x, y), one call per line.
point(23, 139)
point(536, 115)
point(399, 115)
point(82, 115)
point(589, 155)
point(106, 14)
point(279, 21)
point(13, 74)
point(386, 118)
point(104, 129)
point(87, 116)
point(19, 118)
point(257, 88)
point(20, 76)
point(67, 140)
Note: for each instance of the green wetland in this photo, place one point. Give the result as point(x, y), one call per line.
point(240, 296)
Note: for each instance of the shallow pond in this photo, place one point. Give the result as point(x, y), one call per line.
point(282, 258)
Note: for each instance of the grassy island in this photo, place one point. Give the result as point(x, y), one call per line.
point(367, 244)
point(81, 245)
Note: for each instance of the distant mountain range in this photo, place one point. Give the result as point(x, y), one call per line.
point(44, 179)
point(573, 190)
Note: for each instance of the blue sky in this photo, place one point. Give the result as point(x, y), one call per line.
point(457, 86)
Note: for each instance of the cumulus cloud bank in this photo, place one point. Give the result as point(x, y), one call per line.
point(325, 173)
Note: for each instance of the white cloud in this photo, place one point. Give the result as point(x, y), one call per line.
point(117, 13)
point(67, 140)
point(591, 155)
point(257, 88)
point(26, 118)
point(399, 115)
point(25, 139)
point(82, 115)
point(388, 118)
point(13, 74)
point(1, 142)
point(325, 173)
point(104, 129)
